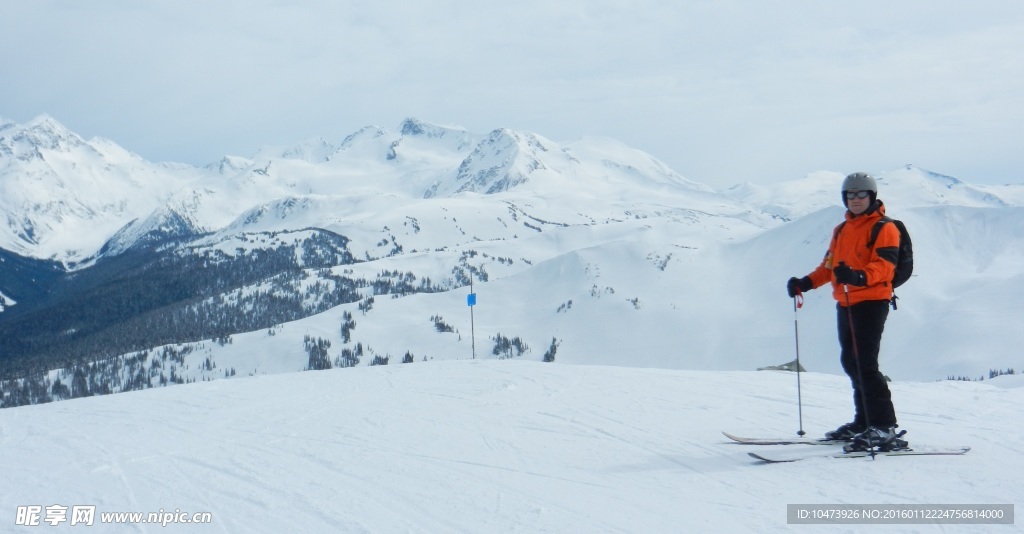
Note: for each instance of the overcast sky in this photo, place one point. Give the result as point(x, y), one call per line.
point(722, 91)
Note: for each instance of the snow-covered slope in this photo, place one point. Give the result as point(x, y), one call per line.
point(498, 446)
point(959, 307)
point(673, 295)
point(591, 244)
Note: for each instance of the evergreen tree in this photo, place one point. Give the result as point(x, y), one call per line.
point(549, 356)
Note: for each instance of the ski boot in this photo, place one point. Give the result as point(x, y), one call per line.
point(878, 439)
point(846, 432)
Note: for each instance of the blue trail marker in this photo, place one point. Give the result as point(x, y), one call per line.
point(471, 301)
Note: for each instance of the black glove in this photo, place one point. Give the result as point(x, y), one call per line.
point(846, 275)
point(798, 285)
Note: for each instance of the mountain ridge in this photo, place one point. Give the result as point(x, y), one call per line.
point(420, 160)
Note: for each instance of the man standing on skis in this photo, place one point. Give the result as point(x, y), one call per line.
point(861, 284)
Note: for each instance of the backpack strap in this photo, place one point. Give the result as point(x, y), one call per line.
point(876, 229)
point(835, 233)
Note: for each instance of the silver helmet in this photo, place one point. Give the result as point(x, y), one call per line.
point(860, 181)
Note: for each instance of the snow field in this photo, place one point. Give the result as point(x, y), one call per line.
point(498, 446)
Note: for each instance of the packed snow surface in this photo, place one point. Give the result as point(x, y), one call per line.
point(499, 446)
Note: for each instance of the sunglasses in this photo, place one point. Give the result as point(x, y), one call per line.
point(850, 195)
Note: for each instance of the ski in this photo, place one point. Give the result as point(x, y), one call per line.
point(784, 441)
point(931, 451)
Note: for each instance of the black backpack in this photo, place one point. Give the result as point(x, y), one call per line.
point(905, 255)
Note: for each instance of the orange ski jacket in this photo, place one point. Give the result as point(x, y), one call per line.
point(850, 245)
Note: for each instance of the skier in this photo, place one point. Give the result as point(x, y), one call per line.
point(861, 284)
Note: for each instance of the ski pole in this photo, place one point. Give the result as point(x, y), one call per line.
point(798, 302)
point(860, 372)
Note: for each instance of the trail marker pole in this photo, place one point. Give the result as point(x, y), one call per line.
point(471, 301)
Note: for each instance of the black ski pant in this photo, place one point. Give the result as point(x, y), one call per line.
point(871, 397)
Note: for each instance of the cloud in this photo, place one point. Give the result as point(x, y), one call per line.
point(722, 91)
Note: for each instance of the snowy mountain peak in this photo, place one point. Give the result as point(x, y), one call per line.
point(368, 144)
point(313, 150)
point(42, 134)
point(951, 180)
point(300, 211)
point(420, 142)
point(364, 134)
point(502, 161)
point(914, 187)
point(45, 132)
point(63, 197)
point(230, 165)
point(161, 225)
point(413, 126)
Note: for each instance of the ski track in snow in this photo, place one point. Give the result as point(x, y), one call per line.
point(497, 446)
